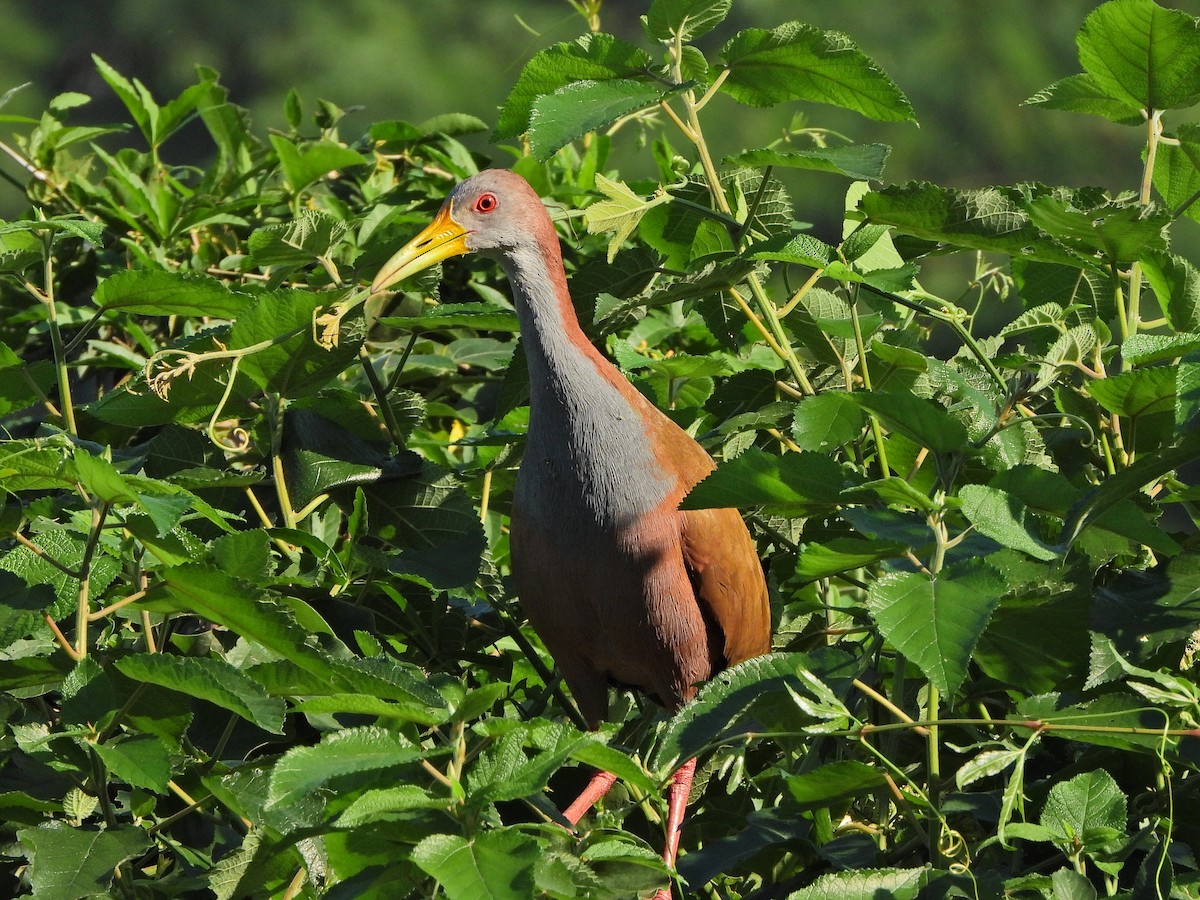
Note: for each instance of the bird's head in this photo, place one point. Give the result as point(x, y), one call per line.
point(492, 213)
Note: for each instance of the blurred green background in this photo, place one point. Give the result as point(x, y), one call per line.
point(966, 65)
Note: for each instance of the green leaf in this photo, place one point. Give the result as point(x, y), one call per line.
point(157, 293)
point(834, 782)
point(1177, 170)
point(304, 164)
point(479, 316)
point(1120, 230)
point(69, 863)
point(866, 884)
point(826, 422)
point(305, 239)
point(1087, 802)
point(998, 515)
point(1141, 392)
point(936, 621)
point(1098, 501)
point(1143, 349)
point(726, 708)
point(758, 478)
point(620, 213)
point(211, 679)
point(1142, 54)
point(687, 19)
point(918, 419)
point(992, 218)
point(1067, 884)
point(583, 106)
point(861, 161)
point(141, 760)
point(1083, 94)
point(800, 62)
point(842, 554)
point(368, 750)
point(432, 522)
point(491, 865)
point(135, 97)
point(294, 364)
point(1176, 284)
point(388, 804)
point(593, 57)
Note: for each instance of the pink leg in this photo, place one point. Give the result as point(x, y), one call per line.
point(596, 789)
point(681, 786)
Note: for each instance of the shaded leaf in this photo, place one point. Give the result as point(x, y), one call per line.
point(491, 865)
point(758, 478)
point(861, 161)
point(69, 863)
point(210, 679)
point(368, 750)
point(936, 621)
point(800, 62)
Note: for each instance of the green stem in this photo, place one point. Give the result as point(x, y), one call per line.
point(381, 392)
point(860, 345)
point(66, 405)
point(1153, 133)
point(281, 491)
point(695, 133)
point(83, 605)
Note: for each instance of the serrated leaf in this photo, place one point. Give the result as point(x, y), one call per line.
point(1091, 800)
point(301, 241)
point(936, 621)
point(842, 554)
point(388, 804)
point(593, 57)
point(687, 19)
point(1083, 94)
point(834, 782)
point(141, 760)
point(758, 478)
point(69, 863)
point(1176, 284)
point(918, 419)
point(1143, 54)
point(157, 293)
point(1177, 170)
point(302, 164)
point(866, 884)
point(294, 364)
point(800, 62)
point(620, 213)
point(479, 316)
point(211, 679)
point(1142, 349)
point(352, 751)
point(998, 515)
point(490, 865)
point(826, 422)
point(1141, 392)
point(724, 707)
point(583, 106)
point(992, 218)
point(861, 161)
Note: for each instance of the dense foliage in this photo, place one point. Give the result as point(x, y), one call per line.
point(257, 636)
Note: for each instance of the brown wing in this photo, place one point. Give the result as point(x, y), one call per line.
point(721, 557)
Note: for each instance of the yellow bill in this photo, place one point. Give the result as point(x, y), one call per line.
point(442, 238)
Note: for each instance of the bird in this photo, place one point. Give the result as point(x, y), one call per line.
point(622, 586)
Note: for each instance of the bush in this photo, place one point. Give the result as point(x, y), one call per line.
point(258, 638)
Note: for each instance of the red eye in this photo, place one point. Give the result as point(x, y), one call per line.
point(486, 203)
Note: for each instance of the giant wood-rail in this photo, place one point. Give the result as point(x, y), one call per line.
point(622, 586)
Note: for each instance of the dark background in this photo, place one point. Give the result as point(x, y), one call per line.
point(966, 65)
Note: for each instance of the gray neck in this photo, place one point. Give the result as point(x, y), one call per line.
point(587, 457)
